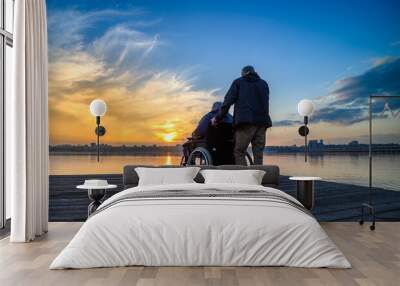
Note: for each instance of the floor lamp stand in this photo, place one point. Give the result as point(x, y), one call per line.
point(369, 208)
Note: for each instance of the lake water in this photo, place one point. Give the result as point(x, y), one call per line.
point(343, 168)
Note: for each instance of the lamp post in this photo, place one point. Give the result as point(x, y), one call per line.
point(98, 108)
point(305, 108)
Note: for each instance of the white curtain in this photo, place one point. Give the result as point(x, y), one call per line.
point(27, 124)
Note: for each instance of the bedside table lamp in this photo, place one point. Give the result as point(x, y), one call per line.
point(98, 108)
point(305, 108)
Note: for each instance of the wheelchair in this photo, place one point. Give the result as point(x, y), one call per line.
point(215, 149)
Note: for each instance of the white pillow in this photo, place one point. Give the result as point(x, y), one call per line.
point(166, 176)
point(248, 177)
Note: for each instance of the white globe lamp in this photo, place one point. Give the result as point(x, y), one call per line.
point(305, 107)
point(98, 108)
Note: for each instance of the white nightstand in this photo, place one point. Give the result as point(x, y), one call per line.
point(305, 190)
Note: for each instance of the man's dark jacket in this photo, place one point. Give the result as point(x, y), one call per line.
point(250, 95)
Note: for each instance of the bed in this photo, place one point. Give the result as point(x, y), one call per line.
point(198, 224)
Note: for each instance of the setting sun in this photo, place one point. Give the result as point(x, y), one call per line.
point(169, 137)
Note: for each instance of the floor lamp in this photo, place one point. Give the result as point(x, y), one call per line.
point(98, 108)
point(305, 108)
point(370, 206)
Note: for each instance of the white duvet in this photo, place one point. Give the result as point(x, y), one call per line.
point(199, 231)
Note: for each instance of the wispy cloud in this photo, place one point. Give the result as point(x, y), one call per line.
point(287, 122)
point(67, 27)
point(347, 103)
point(146, 104)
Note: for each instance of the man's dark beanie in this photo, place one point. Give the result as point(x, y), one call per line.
point(248, 69)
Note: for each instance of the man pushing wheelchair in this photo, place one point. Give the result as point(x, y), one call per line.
point(225, 139)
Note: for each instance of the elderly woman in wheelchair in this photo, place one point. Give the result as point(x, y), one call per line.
point(211, 145)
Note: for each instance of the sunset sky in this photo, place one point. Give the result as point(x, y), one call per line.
point(160, 65)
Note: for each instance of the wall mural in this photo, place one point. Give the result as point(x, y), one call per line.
point(160, 65)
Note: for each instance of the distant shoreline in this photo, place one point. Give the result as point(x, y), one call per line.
point(314, 147)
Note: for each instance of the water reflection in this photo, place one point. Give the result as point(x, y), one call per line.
point(168, 160)
point(343, 168)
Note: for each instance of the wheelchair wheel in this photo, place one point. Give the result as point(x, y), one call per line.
point(199, 156)
point(249, 159)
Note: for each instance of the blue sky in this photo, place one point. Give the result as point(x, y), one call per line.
point(304, 49)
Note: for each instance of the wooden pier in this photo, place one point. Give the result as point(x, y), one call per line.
point(333, 201)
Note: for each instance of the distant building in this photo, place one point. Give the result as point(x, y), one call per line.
point(315, 145)
point(354, 143)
